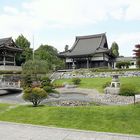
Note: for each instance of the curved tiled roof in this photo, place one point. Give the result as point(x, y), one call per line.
point(8, 43)
point(88, 45)
point(5, 40)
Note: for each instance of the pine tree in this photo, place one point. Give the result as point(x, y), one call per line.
point(114, 49)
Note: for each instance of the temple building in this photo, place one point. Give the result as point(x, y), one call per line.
point(88, 52)
point(8, 51)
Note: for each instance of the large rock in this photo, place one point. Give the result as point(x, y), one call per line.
point(112, 90)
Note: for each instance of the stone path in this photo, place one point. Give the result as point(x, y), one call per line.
point(13, 131)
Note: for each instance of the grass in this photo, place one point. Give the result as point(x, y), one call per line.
point(119, 119)
point(3, 107)
point(98, 83)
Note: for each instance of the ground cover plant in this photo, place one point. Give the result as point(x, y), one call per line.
point(98, 83)
point(119, 119)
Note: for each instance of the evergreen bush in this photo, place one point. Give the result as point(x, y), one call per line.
point(127, 90)
point(76, 81)
point(46, 84)
point(107, 84)
point(34, 95)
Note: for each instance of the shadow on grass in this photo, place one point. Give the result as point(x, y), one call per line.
point(31, 106)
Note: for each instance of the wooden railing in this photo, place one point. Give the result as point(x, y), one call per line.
point(10, 84)
point(10, 68)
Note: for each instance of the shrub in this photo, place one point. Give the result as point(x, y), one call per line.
point(26, 81)
point(76, 81)
point(48, 89)
point(45, 81)
point(107, 84)
point(34, 95)
point(123, 64)
point(9, 72)
point(58, 85)
point(46, 84)
point(127, 90)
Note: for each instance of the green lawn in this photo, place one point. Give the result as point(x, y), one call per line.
point(3, 107)
point(98, 83)
point(119, 119)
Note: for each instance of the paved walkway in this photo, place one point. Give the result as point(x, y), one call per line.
point(13, 131)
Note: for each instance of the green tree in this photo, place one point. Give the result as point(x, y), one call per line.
point(24, 44)
point(137, 54)
point(26, 81)
point(114, 49)
point(47, 85)
point(50, 55)
point(123, 64)
point(34, 67)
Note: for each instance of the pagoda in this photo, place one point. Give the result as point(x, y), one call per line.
point(8, 51)
point(88, 52)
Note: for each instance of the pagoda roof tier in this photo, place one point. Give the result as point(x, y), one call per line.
point(9, 44)
point(87, 46)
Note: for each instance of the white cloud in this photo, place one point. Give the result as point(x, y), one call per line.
point(126, 42)
point(133, 10)
point(81, 12)
point(67, 12)
point(118, 13)
point(11, 10)
point(35, 16)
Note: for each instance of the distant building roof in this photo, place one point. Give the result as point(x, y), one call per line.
point(88, 45)
point(9, 44)
point(125, 59)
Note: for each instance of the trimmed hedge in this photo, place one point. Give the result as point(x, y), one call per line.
point(10, 72)
point(127, 90)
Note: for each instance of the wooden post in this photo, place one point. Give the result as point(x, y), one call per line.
point(87, 63)
point(73, 64)
point(4, 60)
point(134, 99)
point(14, 61)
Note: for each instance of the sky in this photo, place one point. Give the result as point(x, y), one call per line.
point(58, 22)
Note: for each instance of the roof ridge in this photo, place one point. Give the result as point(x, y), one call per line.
point(86, 37)
point(5, 38)
point(88, 45)
point(100, 42)
point(90, 36)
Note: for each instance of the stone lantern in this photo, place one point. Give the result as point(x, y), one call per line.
point(115, 81)
point(114, 87)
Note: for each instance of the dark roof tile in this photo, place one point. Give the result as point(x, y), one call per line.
point(9, 44)
point(87, 45)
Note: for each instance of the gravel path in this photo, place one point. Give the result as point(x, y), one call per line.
point(75, 94)
point(95, 96)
